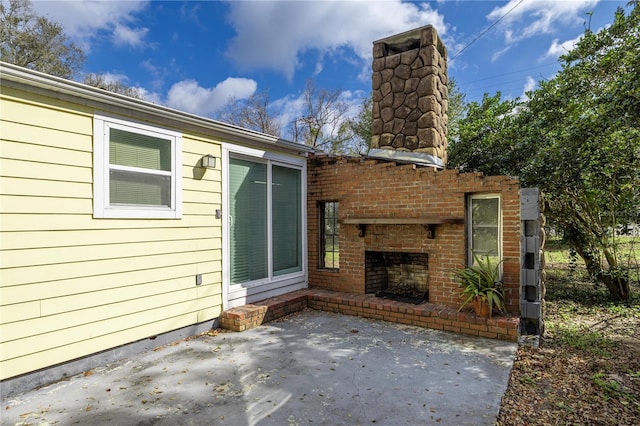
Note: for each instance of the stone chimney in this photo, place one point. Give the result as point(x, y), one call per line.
point(410, 93)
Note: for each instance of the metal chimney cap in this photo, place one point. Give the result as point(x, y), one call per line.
point(418, 158)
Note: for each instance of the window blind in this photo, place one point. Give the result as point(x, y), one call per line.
point(128, 187)
point(137, 150)
point(248, 211)
point(286, 220)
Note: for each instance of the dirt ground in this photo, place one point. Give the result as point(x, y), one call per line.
point(586, 369)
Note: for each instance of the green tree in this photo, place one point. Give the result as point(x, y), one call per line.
point(457, 107)
point(34, 42)
point(480, 143)
point(577, 138)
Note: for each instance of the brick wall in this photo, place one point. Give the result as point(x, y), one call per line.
point(378, 189)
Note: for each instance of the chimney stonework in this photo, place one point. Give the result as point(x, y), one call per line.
point(409, 83)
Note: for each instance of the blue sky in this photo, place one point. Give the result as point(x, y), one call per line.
point(195, 55)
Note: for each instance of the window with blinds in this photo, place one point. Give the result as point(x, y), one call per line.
point(139, 169)
point(136, 170)
point(265, 209)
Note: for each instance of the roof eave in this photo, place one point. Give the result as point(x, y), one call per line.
point(102, 99)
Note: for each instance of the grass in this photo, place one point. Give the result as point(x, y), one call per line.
point(610, 388)
point(581, 338)
point(558, 255)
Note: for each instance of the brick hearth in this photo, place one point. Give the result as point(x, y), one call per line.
point(427, 315)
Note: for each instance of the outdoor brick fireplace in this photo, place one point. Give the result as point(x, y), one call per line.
point(397, 275)
point(402, 218)
point(403, 210)
point(395, 220)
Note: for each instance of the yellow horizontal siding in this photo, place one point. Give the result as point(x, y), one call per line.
point(38, 111)
point(204, 184)
point(209, 290)
point(139, 293)
point(72, 222)
point(45, 154)
point(44, 137)
point(55, 255)
point(142, 317)
point(51, 323)
point(27, 169)
point(202, 197)
point(42, 239)
point(55, 355)
point(18, 312)
point(89, 330)
point(45, 188)
point(72, 285)
point(17, 204)
point(40, 273)
point(199, 209)
point(195, 147)
point(87, 284)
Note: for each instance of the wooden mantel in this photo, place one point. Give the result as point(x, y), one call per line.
point(428, 222)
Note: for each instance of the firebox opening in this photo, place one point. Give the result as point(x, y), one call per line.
point(397, 275)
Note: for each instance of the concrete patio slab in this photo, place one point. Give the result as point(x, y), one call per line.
point(310, 368)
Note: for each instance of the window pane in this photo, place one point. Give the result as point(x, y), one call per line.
point(248, 211)
point(136, 150)
point(286, 220)
point(485, 211)
point(485, 241)
point(329, 240)
point(485, 232)
point(139, 188)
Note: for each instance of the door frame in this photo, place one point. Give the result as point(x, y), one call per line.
point(272, 285)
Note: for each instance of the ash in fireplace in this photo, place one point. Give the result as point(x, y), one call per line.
point(405, 290)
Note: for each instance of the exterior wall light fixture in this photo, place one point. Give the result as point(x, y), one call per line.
point(209, 162)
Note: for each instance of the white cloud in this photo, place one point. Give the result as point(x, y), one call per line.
point(498, 54)
point(274, 34)
point(535, 17)
point(125, 36)
point(149, 96)
point(557, 49)
point(529, 85)
point(189, 96)
point(82, 21)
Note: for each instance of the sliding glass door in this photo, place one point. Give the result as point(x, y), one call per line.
point(265, 221)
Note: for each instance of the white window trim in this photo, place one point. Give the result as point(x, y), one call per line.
point(101, 206)
point(469, 224)
point(241, 293)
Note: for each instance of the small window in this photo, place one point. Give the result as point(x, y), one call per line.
point(329, 235)
point(136, 170)
point(484, 221)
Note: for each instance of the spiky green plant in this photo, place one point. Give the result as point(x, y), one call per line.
point(482, 280)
